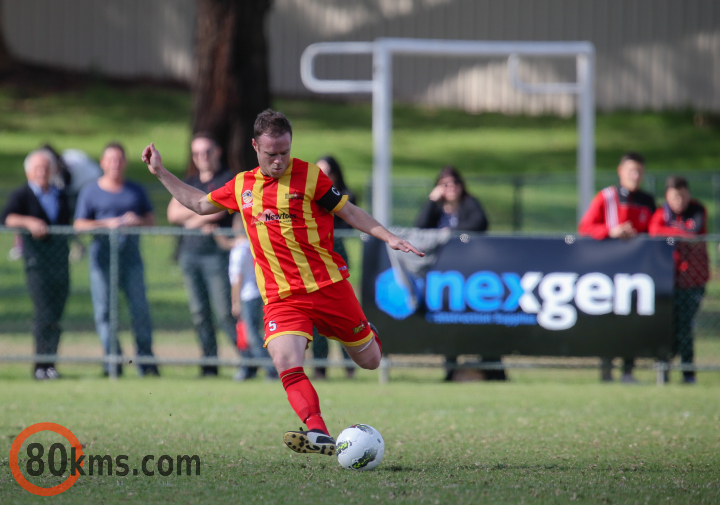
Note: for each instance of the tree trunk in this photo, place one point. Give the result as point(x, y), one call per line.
point(6, 61)
point(231, 82)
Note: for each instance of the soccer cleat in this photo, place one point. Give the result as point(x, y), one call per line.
point(310, 442)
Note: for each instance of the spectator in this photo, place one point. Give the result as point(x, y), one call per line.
point(620, 211)
point(203, 262)
point(331, 168)
point(113, 202)
point(449, 205)
point(247, 304)
point(59, 179)
point(33, 207)
point(682, 216)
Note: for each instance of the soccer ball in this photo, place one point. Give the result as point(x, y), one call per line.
point(360, 447)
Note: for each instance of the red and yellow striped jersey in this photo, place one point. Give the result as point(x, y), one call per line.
point(289, 222)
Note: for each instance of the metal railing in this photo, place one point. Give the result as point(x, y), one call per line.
point(168, 306)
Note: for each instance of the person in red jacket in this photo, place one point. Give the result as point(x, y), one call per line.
point(684, 217)
point(620, 211)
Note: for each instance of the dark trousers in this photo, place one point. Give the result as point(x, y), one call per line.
point(48, 288)
point(208, 288)
point(606, 366)
point(686, 303)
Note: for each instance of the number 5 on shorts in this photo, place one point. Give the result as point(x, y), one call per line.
point(272, 326)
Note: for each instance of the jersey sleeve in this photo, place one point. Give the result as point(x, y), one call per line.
point(593, 223)
point(225, 197)
point(327, 196)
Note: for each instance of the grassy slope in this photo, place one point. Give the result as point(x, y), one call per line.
point(424, 139)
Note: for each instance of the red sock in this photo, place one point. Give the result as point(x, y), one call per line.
point(303, 398)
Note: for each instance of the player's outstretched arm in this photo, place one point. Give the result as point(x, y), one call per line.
point(361, 220)
point(192, 198)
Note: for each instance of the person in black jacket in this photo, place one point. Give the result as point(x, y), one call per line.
point(33, 207)
point(449, 205)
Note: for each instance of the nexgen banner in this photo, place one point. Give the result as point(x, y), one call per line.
point(496, 296)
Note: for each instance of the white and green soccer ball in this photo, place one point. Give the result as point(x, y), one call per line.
point(360, 447)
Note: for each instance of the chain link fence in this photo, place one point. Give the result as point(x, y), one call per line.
point(53, 288)
point(542, 202)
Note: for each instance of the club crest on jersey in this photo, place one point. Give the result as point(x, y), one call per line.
point(360, 328)
point(247, 196)
point(690, 224)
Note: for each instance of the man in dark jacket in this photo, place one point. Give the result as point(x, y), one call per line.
point(33, 207)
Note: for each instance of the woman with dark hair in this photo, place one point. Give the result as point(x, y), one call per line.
point(331, 168)
point(449, 205)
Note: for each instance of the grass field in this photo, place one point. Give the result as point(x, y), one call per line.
point(537, 439)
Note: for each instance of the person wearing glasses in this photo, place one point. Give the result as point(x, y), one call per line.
point(203, 262)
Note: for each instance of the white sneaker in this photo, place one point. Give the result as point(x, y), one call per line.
point(51, 373)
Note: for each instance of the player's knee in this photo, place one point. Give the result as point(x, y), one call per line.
point(282, 362)
point(371, 364)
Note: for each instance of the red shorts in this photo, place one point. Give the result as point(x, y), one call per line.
point(333, 309)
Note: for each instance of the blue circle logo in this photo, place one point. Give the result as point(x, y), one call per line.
point(392, 297)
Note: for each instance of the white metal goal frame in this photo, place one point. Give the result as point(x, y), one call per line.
point(383, 50)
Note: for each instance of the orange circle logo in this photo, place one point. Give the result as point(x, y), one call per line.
point(15, 467)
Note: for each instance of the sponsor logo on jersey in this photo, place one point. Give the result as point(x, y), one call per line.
point(269, 216)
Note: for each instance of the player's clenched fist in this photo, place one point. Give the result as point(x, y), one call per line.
point(151, 157)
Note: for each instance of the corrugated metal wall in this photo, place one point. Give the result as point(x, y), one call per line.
point(651, 54)
point(126, 38)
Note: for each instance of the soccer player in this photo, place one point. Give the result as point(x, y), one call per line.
point(620, 211)
point(287, 206)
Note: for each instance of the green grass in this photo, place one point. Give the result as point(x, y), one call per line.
point(424, 138)
point(532, 440)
